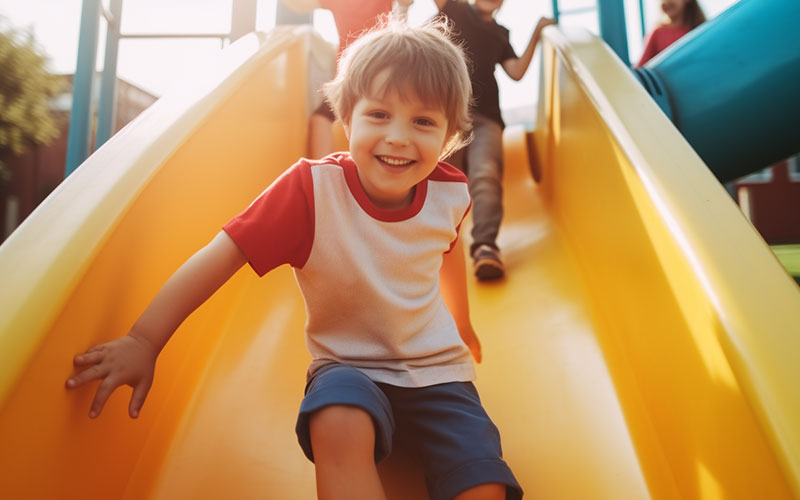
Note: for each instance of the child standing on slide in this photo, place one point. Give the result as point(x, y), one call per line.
point(487, 45)
point(372, 235)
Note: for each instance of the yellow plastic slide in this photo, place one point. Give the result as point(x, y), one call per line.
point(646, 343)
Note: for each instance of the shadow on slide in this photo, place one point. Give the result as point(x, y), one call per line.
point(644, 344)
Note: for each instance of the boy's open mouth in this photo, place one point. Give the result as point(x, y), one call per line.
point(394, 162)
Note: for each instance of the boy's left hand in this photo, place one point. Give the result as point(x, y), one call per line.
point(471, 340)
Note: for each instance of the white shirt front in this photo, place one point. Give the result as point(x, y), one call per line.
point(369, 276)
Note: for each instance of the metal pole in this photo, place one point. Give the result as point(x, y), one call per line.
point(555, 10)
point(611, 14)
point(641, 18)
point(243, 20)
point(107, 105)
point(80, 117)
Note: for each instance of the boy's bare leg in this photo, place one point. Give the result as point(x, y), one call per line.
point(490, 491)
point(343, 440)
point(320, 136)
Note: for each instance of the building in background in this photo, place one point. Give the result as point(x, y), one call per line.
point(39, 170)
point(770, 199)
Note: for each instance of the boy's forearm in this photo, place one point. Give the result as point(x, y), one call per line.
point(191, 285)
point(453, 279)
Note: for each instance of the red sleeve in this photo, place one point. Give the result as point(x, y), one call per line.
point(278, 227)
point(650, 48)
point(447, 172)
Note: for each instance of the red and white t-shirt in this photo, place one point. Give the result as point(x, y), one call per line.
point(369, 276)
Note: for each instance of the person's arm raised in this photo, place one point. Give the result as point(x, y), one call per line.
point(130, 360)
point(516, 67)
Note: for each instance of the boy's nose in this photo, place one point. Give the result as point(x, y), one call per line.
point(397, 136)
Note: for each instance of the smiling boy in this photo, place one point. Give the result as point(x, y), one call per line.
point(372, 235)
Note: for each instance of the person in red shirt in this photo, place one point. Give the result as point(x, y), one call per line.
point(682, 17)
point(352, 20)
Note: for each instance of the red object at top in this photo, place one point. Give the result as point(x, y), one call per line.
point(353, 18)
point(661, 38)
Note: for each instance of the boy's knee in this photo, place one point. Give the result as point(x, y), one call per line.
point(342, 429)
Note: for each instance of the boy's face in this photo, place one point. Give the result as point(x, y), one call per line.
point(395, 143)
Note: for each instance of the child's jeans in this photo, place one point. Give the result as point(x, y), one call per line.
point(482, 161)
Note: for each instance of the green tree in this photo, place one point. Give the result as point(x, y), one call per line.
point(25, 91)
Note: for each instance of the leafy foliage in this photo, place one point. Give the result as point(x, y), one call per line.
point(25, 91)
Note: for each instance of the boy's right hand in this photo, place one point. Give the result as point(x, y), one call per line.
point(126, 361)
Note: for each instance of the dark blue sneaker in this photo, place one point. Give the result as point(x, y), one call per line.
point(486, 263)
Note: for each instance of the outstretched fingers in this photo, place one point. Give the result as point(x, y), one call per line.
point(137, 399)
point(104, 391)
point(90, 357)
point(93, 359)
point(124, 361)
point(92, 373)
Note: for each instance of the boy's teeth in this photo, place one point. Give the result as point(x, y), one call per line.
point(393, 161)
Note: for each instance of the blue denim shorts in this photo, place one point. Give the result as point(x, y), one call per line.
point(444, 427)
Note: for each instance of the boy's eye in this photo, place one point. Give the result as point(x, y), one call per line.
point(378, 114)
point(425, 122)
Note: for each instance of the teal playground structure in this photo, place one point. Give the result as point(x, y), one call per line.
point(243, 21)
point(731, 86)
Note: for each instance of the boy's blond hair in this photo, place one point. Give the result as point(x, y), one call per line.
point(423, 60)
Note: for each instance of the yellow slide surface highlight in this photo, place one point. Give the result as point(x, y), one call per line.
point(645, 344)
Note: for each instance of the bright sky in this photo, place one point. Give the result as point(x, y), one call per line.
point(155, 65)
